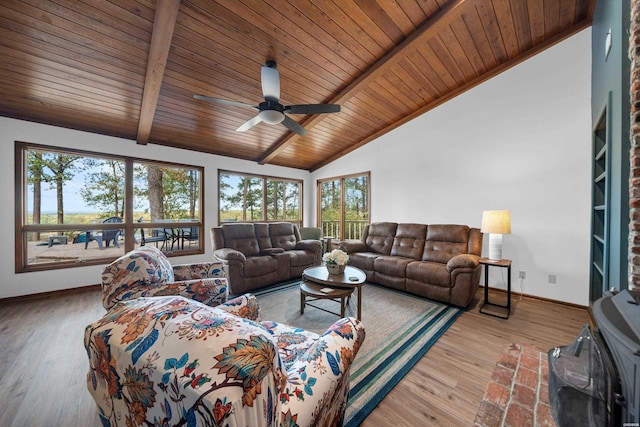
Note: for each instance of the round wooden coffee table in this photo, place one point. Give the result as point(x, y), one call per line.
point(318, 284)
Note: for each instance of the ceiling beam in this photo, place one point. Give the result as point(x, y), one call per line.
point(426, 30)
point(163, 25)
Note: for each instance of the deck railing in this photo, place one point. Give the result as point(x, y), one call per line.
point(353, 229)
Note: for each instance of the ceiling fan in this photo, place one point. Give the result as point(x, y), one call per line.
point(271, 111)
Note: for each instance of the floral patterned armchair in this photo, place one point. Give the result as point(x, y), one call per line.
point(146, 271)
point(173, 361)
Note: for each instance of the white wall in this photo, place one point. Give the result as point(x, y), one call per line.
point(12, 284)
point(520, 141)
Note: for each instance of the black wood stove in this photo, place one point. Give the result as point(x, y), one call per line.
point(595, 381)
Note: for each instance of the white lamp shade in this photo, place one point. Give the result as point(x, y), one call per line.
point(496, 223)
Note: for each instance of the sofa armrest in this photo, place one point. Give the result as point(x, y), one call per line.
point(351, 246)
point(202, 270)
point(228, 254)
point(309, 245)
point(463, 261)
point(245, 306)
point(334, 351)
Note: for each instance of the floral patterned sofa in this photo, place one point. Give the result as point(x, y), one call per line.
point(146, 271)
point(173, 361)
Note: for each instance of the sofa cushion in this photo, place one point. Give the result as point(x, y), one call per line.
point(260, 266)
point(409, 241)
point(380, 237)
point(242, 238)
point(433, 273)
point(363, 260)
point(263, 236)
point(444, 241)
point(391, 265)
point(293, 342)
point(283, 235)
point(299, 258)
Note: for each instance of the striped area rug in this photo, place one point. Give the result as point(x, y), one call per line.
point(400, 329)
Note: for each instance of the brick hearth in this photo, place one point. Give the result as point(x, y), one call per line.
point(518, 392)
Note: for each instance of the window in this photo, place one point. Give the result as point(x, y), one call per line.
point(256, 198)
point(343, 205)
point(78, 208)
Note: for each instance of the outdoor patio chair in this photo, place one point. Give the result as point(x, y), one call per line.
point(105, 236)
point(158, 235)
point(189, 235)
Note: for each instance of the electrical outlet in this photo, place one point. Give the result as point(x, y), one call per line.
point(552, 279)
point(522, 274)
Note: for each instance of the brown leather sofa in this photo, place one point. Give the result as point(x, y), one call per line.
point(439, 261)
point(255, 255)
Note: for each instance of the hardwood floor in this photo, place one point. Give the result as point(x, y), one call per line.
point(43, 362)
point(446, 386)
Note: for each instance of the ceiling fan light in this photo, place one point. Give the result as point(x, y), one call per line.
point(271, 117)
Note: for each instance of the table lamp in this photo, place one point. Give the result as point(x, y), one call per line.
point(496, 223)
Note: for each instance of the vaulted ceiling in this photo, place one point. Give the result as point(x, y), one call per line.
point(130, 68)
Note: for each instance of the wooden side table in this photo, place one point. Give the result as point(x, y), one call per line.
point(327, 243)
point(503, 263)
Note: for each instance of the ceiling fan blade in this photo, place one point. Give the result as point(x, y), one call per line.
point(312, 108)
point(293, 126)
point(225, 102)
point(270, 82)
point(249, 124)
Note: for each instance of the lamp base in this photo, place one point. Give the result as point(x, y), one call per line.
point(495, 247)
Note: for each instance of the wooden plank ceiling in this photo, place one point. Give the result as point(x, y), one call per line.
point(130, 68)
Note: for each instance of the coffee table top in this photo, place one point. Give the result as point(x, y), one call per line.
point(352, 276)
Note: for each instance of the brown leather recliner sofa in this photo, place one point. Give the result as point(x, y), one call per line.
point(255, 255)
point(439, 261)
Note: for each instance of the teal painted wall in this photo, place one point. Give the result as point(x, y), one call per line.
point(611, 75)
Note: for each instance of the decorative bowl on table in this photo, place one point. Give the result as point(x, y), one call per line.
point(335, 261)
point(335, 268)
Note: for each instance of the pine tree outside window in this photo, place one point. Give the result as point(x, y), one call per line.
point(343, 205)
point(257, 198)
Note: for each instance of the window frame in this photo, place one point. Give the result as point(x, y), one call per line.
point(264, 179)
point(341, 179)
point(129, 224)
